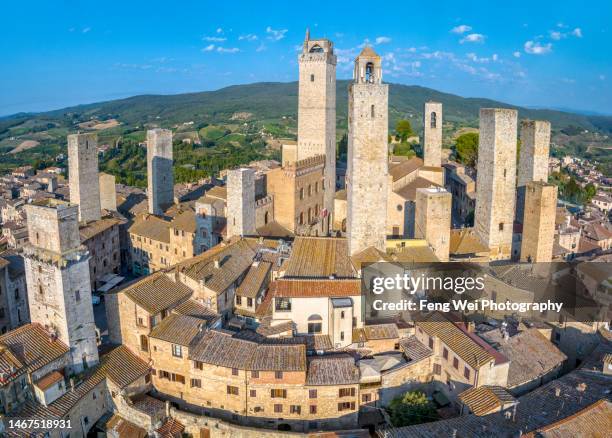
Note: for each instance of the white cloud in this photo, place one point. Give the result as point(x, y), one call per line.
point(556, 35)
point(219, 30)
point(494, 57)
point(261, 48)
point(228, 49)
point(382, 40)
point(276, 34)
point(577, 32)
point(208, 48)
point(602, 77)
point(214, 39)
point(537, 48)
point(86, 29)
point(475, 58)
point(473, 38)
point(248, 37)
point(517, 54)
point(461, 29)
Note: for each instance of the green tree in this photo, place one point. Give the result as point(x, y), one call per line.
point(589, 191)
point(404, 149)
point(466, 147)
point(411, 408)
point(342, 149)
point(403, 129)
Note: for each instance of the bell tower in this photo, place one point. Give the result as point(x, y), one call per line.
point(368, 168)
point(317, 110)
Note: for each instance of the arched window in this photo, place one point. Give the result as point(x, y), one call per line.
point(315, 323)
point(266, 218)
point(309, 214)
point(369, 72)
point(316, 49)
point(433, 120)
point(372, 112)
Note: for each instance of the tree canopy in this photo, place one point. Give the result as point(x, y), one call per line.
point(411, 408)
point(403, 129)
point(466, 147)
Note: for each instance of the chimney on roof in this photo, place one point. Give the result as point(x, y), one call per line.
point(557, 392)
point(217, 263)
point(167, 408)
point(72, 384)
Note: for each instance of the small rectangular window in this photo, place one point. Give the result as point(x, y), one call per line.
point(455, 363)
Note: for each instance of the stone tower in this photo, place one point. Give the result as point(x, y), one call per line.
point(57, 276)
point(241, 202)
point(533, 158)
point(539, 222)
point(160, 176)
point(108, 192)
point(432, 134)
point(496, 180)
point(317, 109)
point(367, 173)
point(83, 175)
point(433, 219)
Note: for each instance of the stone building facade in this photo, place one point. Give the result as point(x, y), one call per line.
point(317, 109)
point(241, 202)
point(432, 134)
point(101, 238)
point(539, 222)
point(367, 154)
point(57, 275)
point(83, 175)
point(533, 157)
point(160, 176)
point(108, 192)
point(496, 182)
point(433, 220)
point(14, 310)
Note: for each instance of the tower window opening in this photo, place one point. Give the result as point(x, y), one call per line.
point(316, 49)
point(369, 72)
point(433, 121)
point(311, 78)
point(372, 112)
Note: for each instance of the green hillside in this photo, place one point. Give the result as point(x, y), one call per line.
point(255, 112)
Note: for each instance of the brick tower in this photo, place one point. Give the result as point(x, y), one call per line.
point(368, 170)
point(317, 110)
point(83, 175)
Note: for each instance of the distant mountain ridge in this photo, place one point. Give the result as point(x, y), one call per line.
point(273, 100)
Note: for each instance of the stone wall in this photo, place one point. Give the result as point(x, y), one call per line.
point(533, 157)
point(241, 202)
point(539, 222)
point(433, 220)
point(83, 175)
point(108, 192)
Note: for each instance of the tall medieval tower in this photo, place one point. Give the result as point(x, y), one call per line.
point(432, 134)
point(160, 175)
point(368, 169)
point(496, 180)
point(241, 202)
point(317, 110)
point(57, 276)
point(83, 175)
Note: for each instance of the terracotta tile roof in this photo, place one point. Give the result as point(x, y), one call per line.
point(414, 254)
point(124, 429)
point(274, 229)
point(403, 168)
point(375, 332)
point(157, 292)
point(332, 369)
point(219, 192)
point(254, 280)
point(368, 256)
point(49, 379)
point(27, 349)
point(319, 257)
point(316, 288)
point(94, 228)
point(591, 421)
point(368, 52)
point(413, 349)
point(486, 399)
point(221, 348)
point(122, 366)
point(178, 329)
point(148, 405)
point(531, 355)
point(409, 191)
point(465, 241)
point(279, 357)
point(234, 259)
point(171, 429)
point(265, 327)
point(456, 339)
point(341, 195)
point(151, 227)
point(196, 309)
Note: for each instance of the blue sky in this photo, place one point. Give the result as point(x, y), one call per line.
point(536, 53)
